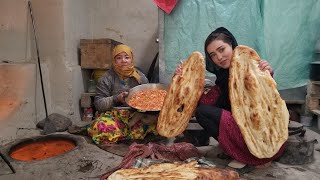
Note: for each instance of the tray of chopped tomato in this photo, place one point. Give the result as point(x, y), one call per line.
point(147, 97)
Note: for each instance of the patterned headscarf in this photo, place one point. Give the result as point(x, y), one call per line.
point(128, 71)
point(222, 74)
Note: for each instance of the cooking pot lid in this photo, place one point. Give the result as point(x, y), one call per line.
point(306, 138)
point(293, 125)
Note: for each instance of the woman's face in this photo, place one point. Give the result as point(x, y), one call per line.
point(123, 59)
point(220, 53)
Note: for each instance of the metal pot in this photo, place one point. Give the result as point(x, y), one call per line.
point(299, 146)
point(142, 87)
point(315, 71)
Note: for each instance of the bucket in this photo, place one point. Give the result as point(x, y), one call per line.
point(98, 73)
point(306, 120)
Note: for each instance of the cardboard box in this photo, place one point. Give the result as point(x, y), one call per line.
point(96, 53)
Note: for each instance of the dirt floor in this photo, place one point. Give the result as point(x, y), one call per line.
point(87, 161)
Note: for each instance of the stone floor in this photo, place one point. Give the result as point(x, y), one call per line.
point(87, 161)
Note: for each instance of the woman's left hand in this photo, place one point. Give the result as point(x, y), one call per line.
point(264, 65)
point(178, 70)
point(121, 97)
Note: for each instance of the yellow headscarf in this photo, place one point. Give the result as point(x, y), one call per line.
point(125, 72)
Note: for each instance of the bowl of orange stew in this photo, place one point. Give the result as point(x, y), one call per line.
point(147, 97)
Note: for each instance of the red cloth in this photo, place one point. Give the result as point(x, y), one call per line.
point(166, 5)
point(211, 97)
point(230, 137)
point(233, 144)
point(176, 152)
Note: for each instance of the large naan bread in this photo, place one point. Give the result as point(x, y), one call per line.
point(165, 171)
point(182, 97)
point(257, 107)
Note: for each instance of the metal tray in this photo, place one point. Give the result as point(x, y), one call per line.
point(141, 87)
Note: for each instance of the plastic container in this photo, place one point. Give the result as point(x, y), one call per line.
point(98, 73)
point(91, 86)
point(306, 121)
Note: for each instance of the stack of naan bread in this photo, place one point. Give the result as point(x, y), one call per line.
point(182, 97)
point(257, 107)
point(165, 171)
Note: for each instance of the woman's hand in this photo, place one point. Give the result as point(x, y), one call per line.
point(178, 70)
point(121, 97)
point(137, 116)
point(264, 65)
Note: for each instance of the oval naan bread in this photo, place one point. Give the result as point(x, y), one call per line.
point(257, 107)
point(164, 171)
point(182, 97)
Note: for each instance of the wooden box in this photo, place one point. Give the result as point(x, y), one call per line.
point(96, 53)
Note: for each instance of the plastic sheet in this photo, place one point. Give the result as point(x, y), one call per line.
point(282, 32)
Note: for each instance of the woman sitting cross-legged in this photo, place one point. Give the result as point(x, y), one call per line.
point(116, 124)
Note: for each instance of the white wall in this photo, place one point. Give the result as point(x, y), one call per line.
point(132, 22)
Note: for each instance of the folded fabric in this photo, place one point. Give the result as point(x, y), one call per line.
point(166, 5)
point(175, 152)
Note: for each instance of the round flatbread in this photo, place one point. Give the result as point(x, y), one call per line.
point(182, 97)
point(164, 171)
point(257, 107)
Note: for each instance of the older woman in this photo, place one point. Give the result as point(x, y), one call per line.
point(112, 124)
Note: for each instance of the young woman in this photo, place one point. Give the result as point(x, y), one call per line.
point(214, 110)
point(112, 124)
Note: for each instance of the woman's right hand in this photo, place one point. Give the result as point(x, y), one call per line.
point(178, 70)
point(121, 97)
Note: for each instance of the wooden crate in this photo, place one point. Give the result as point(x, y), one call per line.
point(96, 53)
